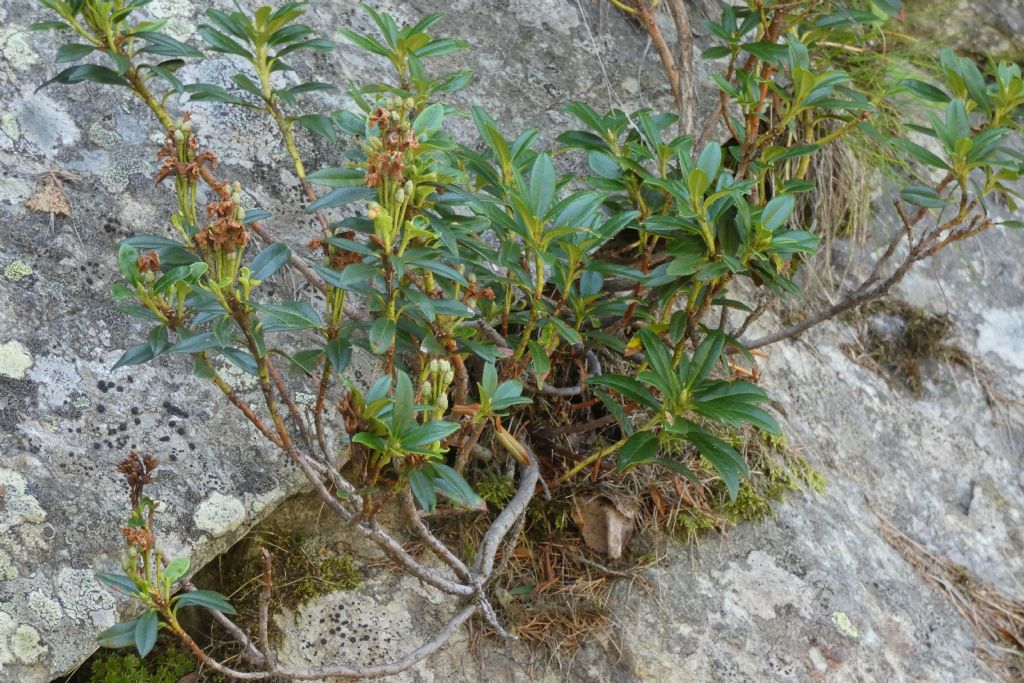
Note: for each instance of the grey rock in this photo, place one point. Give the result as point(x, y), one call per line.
point(814, 595)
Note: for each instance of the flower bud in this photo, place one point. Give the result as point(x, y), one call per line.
point(236, 187)
point(400, 196)
point(374, 211)
point(408, 187)
point(449, 377)
point(433, 366)
point(239, 214)
point(426, 389)
point(179, 137)
point(442, 402)
point(393, 114)
point(186, 126)
point(126, 562)
point(410, 103)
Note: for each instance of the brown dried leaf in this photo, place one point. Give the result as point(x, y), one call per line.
point(605, 527)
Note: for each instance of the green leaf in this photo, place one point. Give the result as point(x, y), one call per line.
point(424, 434)
point(382, 335)
point(371, 441)
point(86, 72)
point(203, 598)
point(196, 343)
point(920, 195)
point(48, 26)
point(920, 153)
point(458, 491)
point(177, 569)
point(727, 462)
point(118, 582)
point(164, 45)
point(146, 629)
point(540, 362)
point(319, 124)
point(203, 92)
point(352, 124)
point(136, 355)
point(289, 316)
point(542, 185)
point(429, 121)
point(72, 52)
point(613, 407)
point(342, 197)
point(641, 448)
point(777, 211)
point(926, 91)
point(219, 42)
point(423, 489)
point(710, 160)
point(270, 260)
point(339, 353)
point(957, 121)
point(657, 357)
point(442, 46)
point(338, 177)
point(404, 406)
point(705, 357)
point(628, 387)
point(118, 635)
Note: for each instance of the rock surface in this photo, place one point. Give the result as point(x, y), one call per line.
point(815, 594)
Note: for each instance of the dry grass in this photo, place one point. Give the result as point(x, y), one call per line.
point(997, 617)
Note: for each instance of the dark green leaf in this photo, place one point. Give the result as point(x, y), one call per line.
point(118, 635)
point(319, 124)
point(146, 629)
point(204, 598)
point(72, 52)
point(136, 355)
point(269, 261)
point(382, 335)
point(341, 197)
point(628, 387)
point(926, 91)
point(919, 195)
point(119, 582)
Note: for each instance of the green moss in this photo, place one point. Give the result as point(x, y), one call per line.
point(495, 488)
point(313, 571)
point(167, 666)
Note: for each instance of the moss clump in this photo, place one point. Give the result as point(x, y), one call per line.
point(169, 665)
point(922, 338)
point(310, 570)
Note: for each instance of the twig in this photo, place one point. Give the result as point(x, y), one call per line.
point(265, 608)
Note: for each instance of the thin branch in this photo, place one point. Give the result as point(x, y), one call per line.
point(265, 608)
point(428, 537)
point(684, 57)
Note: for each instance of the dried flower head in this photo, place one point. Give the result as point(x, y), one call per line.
point(138, 472)
point(149, 263)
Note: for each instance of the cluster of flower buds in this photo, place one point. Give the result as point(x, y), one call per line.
point(386, 153)
point(434, 387)
point(149, 267)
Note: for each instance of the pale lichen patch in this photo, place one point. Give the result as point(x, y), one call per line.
point(219, 514)
point(17, 270)
point(19, 507)
point(46, 608)
point(25, 644)
point(81, 594)
point(8, 572)
point(844, 625)
point(14, 360)
point(16, 49)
